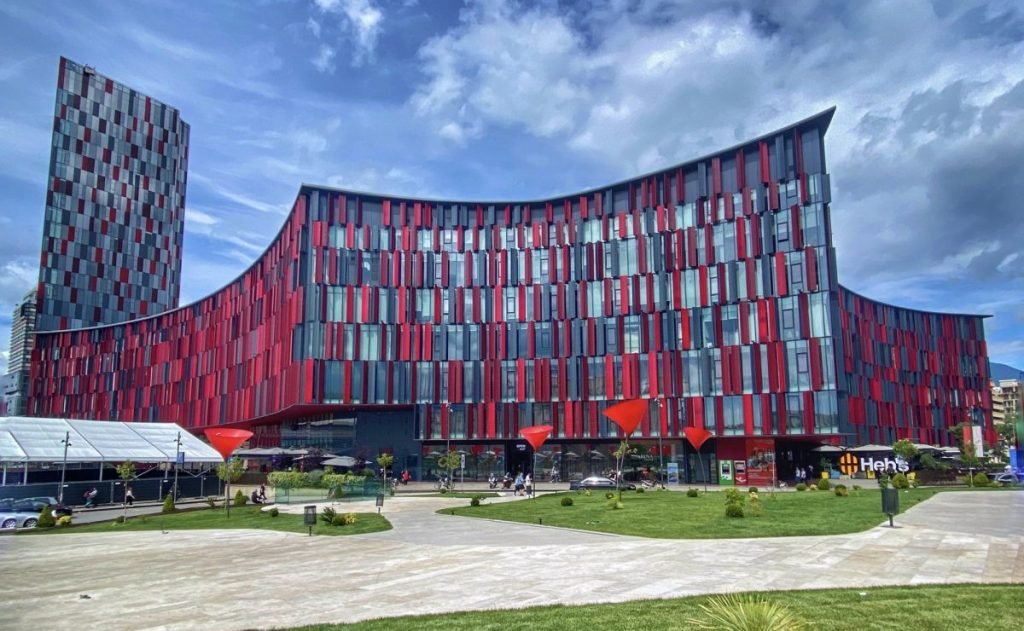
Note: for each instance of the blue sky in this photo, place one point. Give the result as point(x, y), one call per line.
point(510, 100)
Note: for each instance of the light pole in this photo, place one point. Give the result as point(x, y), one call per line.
point(661, 452)
point(63, 467)
point(177, 456)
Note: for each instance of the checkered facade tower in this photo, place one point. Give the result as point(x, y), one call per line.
point(115, 204)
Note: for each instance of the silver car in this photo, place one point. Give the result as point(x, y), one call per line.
point(12, 515)
point(11, 519)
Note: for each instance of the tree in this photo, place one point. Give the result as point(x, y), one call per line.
point(620, 457)
point(905, 449)
point(385, 461)
point(126, 471)
point(1007, 432)
point(229, 471)
point(450, 462)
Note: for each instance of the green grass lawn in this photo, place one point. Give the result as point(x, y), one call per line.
point(673, 515)
point(930, 608)
point(214, 518)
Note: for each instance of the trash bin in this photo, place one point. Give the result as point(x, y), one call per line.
point(890, 503)
point(309, 517)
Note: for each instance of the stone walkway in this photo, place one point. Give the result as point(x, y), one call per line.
point(435, 563)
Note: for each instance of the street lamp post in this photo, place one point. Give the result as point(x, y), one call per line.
point(63, 467)
point(661, 452)
point(177, 455)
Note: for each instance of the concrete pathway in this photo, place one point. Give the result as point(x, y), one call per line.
point(431, 563)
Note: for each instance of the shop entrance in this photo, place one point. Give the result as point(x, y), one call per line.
point(520, 458)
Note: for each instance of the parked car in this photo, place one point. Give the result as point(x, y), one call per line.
point(598, 482)
point(12, 519)
point(36, 504)
point(1006, 477)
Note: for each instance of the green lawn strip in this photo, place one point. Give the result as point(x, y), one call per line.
point(673, 515)
point(461, 495)
point(922, 608)
point(215, 518)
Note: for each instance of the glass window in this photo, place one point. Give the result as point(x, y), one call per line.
point(730, 325)
point(732, 409)
point(794, 414)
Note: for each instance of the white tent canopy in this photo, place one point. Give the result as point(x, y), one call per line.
point(27, 439)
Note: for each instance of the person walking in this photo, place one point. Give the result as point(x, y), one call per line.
point(520, 484)
point(129, 496)
point(528, 484)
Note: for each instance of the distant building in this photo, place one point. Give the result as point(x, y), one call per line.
point(23, 326)
point(1007, 400)
point(115, 204)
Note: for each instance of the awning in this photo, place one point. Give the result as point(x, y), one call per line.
point(27, 439)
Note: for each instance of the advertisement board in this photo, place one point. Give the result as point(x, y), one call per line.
point(673, 473)
point(760, 462)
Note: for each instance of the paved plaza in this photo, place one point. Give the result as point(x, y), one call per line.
point(429, 563)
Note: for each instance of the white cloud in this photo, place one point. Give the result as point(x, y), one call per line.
point(314, 27)
point(324, 60)
point(193, 216)
point(508, 67)
point(360, 20)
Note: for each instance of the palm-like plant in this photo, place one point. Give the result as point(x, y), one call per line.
point(734, 612)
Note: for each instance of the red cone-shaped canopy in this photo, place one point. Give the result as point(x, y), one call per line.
point(697, 436)
point(628, 414)
point(226, 441)
point(536, 435)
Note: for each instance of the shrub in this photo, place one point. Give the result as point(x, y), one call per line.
point(274, 512)
point(444, 491)
point(609, 495)
point(615, 504)
point(327, 515)
point(315, 476)
point(338, 520)
point(119, 519)
point(883, 482)
point(475, 501)
point(640, 489)
point(240, 498)
point(841, 491)
point(169, 504)
point(211, 501)
point(733, 495)
point(980, 479)
point(587, 493)
point(287, 479)
point(692, 492)
point(64, 521)
point(914, 483)
point(801, 487)
point(755, 505)
point(840, 486)
point(46, 519)
point(752, 489)
point(812, 487)
point(899, 481)
point(823, 485)
point(745, 612)
point(566, 501)
point(733, 510)
point(350, 518)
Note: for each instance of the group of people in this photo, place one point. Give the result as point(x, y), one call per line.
point(259, 496)
point(803, 475)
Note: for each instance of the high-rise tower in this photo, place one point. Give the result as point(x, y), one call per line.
point(115, 204)
point(23, 323)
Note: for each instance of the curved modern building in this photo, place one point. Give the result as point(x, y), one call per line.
point(381, 322)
